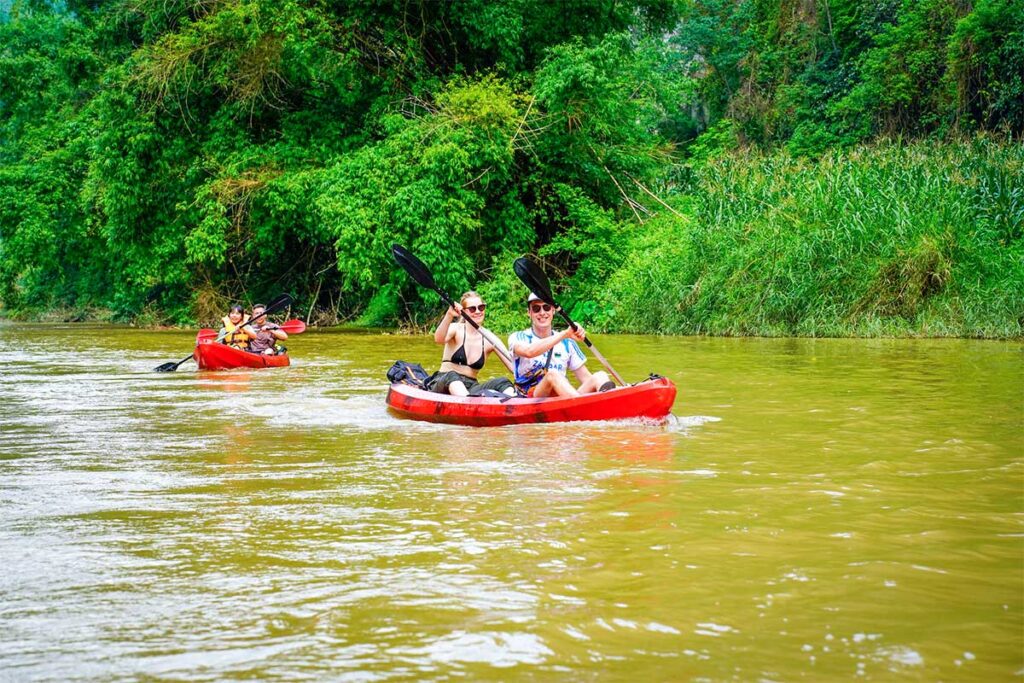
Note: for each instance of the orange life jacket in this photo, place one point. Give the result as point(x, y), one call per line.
point(235, 336)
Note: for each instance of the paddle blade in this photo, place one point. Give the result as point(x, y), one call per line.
point(170, 367)
point(412, 265)
point(534, 278)
point(293, 326)
point(279, 302)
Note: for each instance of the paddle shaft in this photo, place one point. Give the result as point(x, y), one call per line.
point(535, 279)
point(419, 272)
point(218, 339)
point(250, 321)
point(590, 345)
point(290, 326)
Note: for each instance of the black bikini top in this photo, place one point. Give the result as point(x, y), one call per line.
point(459, 357)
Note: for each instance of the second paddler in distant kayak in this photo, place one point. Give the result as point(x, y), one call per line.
point(268, 334)
point(465, 351)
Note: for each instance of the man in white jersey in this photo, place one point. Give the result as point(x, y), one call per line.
point(543, 356)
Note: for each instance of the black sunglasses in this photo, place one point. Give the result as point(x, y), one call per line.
point(537, 308)
point(474, 309)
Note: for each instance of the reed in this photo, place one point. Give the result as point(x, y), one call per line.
point(921, 239)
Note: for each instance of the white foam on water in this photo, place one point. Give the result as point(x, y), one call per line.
point(311, 409)
point(903, 655)
point(709, 628)
point(682, 423)
point(501, 650)
point(575, 633)
point(709, 474)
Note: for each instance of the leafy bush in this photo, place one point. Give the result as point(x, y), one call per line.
point(891, 238)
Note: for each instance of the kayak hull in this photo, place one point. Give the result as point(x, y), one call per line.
point(215, 356)
point(651, 399)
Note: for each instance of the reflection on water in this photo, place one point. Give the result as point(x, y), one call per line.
point(225, 380)
point(818, 509)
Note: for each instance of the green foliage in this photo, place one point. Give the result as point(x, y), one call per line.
point(195, 153)
point(902, 75)
point(601, 104)
point(426, 186)
point(161, 159)
point(986, 53)
point(46, 243)
point(590, 248)
point(713, 38)
point(923, 239)
point(818, 75)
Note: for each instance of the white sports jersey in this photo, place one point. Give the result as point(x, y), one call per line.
point(566, 355)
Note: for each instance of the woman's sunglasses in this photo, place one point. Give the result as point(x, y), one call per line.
point(474, 309)
point(537, 308)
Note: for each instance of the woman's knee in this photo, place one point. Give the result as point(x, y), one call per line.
point(499, 384)
point(444, 383)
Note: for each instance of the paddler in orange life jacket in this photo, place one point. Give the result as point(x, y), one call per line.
point(236, 331)
point(543, 356)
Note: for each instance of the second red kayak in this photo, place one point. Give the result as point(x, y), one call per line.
point(216, 356)
point(651, 399)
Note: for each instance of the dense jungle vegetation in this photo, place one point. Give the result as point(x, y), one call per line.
point(810, 167)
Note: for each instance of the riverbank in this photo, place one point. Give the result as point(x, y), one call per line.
point(895, 240)
point(887, 240)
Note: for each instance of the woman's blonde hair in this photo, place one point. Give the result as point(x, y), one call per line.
point(469, 295)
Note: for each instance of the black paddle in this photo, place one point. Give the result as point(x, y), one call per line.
point(419, 272)
point(282, 301)
point(537, 282)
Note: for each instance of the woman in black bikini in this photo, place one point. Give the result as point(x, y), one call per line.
point(459, 360)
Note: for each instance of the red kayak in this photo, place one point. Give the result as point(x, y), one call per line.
point(212, 355)
point(651, 399)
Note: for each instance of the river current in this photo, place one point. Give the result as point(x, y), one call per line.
point(814, 510)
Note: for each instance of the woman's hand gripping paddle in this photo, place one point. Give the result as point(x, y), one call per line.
point(537, 282)
point(419, 272)
point(282, 301)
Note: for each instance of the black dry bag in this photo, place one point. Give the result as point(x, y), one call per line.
point(412, 374)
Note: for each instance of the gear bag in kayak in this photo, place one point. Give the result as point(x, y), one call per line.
point(412, 374)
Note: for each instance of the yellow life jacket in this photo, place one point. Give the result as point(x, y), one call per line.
point(235, 337)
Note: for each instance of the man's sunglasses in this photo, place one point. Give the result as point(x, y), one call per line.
point(537, 308)
point(474, 309)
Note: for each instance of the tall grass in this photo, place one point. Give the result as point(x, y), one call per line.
point(922, 239)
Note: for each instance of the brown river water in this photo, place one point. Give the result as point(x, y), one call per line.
point(814, 510)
